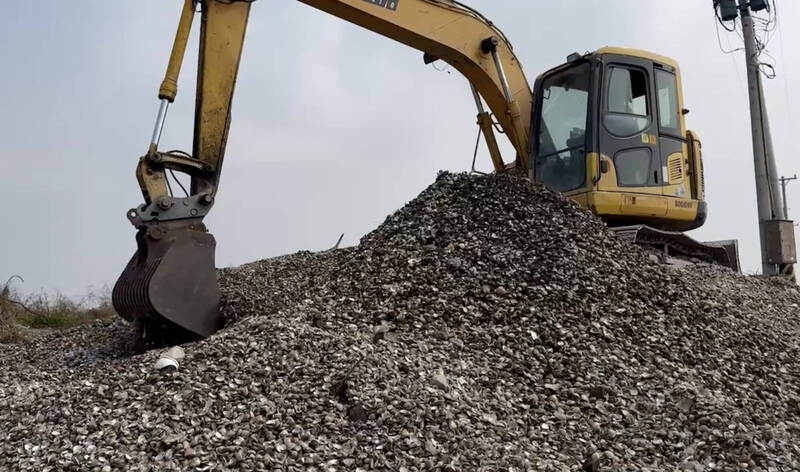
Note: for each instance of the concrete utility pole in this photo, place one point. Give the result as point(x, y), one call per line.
point(784, 181)
point(770, 206)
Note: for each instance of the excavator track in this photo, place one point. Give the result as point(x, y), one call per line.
point(725, 253)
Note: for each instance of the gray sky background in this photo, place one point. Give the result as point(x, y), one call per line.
point(334, 127)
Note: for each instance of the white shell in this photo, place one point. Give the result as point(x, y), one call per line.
point(164, 362)
point(175, 352)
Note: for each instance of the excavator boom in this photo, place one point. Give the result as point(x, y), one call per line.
point(170, 284)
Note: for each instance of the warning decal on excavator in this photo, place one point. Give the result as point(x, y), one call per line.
point(388, 4)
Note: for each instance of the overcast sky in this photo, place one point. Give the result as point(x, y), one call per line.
point(334, 127)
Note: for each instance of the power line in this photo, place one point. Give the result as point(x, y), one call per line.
point(766, 26)
point(719, 41)
point(717, 22)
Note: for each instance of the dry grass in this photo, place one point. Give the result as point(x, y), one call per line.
point(9, 329)
point(49, 311)
point(60, 312)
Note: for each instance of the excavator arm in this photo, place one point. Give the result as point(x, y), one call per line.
point(170, 283)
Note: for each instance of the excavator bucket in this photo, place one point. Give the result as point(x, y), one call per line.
point(169, 287)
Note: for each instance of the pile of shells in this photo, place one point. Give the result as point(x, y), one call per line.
point(488, 325)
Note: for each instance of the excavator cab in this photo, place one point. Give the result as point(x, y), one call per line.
point(608, 131)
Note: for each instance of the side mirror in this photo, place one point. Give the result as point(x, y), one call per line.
point(685, 111)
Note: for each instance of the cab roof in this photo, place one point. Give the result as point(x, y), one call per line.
point(619, 51)
point(637, 53)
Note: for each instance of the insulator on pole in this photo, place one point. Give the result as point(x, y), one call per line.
point(758, 5)
point(728, 10)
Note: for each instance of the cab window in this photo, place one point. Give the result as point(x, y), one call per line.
point(564, 108)
point(667, 102)
point(560, 161)
point(627, 107)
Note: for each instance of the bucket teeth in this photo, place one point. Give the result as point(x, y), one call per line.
point(170, 283)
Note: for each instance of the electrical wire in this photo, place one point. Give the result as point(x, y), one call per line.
point(497, 126)
point(721, 22)
point(717, 22)
point(169, 187)
point(764, 29)
point(172, 173)
point(182, 153)
point(767, 70)
point(719, 41)
point(767, 27)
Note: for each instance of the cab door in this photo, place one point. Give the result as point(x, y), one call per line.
point(671, 131)
point(561, 128)
point(629, 135)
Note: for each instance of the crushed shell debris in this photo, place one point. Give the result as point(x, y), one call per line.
point(488, 325)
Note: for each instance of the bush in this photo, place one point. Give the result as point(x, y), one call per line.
point(43, 310)
point(60, 312)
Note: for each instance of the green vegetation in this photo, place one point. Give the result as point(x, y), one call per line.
point(48, 311)
point(60, 312)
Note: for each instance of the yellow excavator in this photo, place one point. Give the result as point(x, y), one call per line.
point(606, 128)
